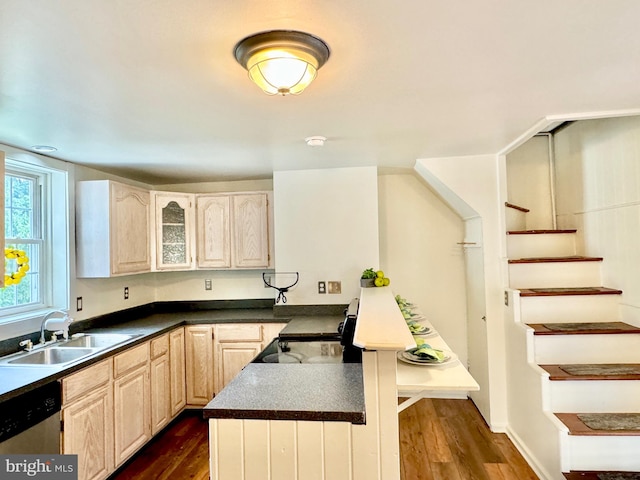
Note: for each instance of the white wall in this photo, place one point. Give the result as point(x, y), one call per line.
point(472, 186)
point(326, 228)
point(420, 254)
point(598, 192)
point(529, 182)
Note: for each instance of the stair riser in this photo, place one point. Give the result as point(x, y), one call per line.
point(569, 308)
point(610, 348)
point(604, 452)
point(554, 275)
point(592, 396)
point(515, 219)
point(541, 245)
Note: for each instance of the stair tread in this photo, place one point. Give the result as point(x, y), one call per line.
point(577, 427)
point(582, 328)
point(550, 292)
point(557, 373)
point(600, 475)
point(569, 258)
point(538, 232)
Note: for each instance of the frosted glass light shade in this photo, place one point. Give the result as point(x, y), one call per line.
point(282, 62)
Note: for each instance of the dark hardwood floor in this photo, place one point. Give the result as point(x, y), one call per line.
point(439, 440)
point(443, 439)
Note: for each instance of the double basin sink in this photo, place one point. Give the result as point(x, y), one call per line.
point(66, 351)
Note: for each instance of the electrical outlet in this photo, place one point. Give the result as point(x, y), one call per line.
point(207, 284)
point(335, 287)
point(266, 279)
point(126, 293)
point(506, 298)
point(324, 349)
point(322, 287)
point(79, 304)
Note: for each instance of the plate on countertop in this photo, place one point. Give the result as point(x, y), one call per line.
point(417, 329)
point(450, 358)
point(431, 332)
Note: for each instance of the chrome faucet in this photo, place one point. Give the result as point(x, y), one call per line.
point(50, 323)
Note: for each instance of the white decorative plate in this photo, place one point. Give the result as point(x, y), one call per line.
point(450, 358)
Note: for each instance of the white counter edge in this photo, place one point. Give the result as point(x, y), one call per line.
point(380, 324)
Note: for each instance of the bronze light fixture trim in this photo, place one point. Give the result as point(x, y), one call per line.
point(282, 62)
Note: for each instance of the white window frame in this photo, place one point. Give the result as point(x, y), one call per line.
point(40, 182)
point(55, 274)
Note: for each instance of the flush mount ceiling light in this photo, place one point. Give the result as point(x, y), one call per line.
point(282, 62)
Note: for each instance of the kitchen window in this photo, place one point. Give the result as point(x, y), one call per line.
point(23, 214)
point(36, 221)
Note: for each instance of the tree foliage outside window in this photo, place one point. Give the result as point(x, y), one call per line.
point(23, 230)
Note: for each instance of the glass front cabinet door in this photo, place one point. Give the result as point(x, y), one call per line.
point(174, 231)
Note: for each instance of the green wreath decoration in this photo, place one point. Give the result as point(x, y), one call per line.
point(22, 261)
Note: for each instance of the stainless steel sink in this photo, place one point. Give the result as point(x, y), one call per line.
point(96, 340)
point(50, 356)
point(67, 351)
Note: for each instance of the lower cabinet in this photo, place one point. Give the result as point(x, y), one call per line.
point(87, 420)
point(231, 358)
point(160, 382)
point(199, 364)
point(216, 353)
point(178, 382)
point(131, 401)
point(112, 408)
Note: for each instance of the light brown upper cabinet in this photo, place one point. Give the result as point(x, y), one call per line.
point(123, 230)
point(233, 230)
point(174, 230)
point(113, 232)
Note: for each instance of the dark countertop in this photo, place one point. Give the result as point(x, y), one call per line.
point(316, 392)
point(312, 327)
point(15, 380)
point(144, 322)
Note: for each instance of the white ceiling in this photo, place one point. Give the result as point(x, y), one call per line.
point(150, 89)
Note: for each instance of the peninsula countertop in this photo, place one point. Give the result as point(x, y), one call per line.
point(316, 392)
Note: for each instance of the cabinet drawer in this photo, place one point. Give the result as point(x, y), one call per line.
point(249, 332)
point(159, 346)
point(130, 359)
point(85, 381)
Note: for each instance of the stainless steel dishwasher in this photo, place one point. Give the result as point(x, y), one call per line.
point(30, 423)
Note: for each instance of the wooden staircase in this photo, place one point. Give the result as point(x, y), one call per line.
point(583, 363)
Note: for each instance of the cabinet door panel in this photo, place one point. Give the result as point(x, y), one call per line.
point(88, 433)
point(177, 366)
point(199, 364)
point(174, 225)
point(233, 357)
point(130, 229)
point(132, 426)
point(214, 231)
point(251, 232)
point(160, 396)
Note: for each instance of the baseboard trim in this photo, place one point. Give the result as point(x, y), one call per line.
point(539, 470)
